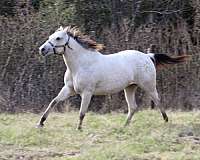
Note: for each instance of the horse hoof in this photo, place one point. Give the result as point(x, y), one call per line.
point(166, 119)
point(126, 124)
point(79, 128)
point(39, 125)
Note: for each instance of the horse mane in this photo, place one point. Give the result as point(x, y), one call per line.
point(82, 39)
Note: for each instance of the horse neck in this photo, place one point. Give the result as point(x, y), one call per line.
point(78, 57)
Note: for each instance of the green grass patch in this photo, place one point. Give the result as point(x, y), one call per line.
point(148, 137)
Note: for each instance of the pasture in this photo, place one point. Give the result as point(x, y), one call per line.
point(147, 137)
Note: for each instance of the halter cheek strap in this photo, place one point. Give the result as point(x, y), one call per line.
point(67, 44)
point(64, 46)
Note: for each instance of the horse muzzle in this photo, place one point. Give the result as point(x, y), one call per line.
point(43, 51)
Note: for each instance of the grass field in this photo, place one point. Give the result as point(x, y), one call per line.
point(102, 138)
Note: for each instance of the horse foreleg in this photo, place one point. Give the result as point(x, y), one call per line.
point(85, 101)
point(65, 92)
point(130, 99)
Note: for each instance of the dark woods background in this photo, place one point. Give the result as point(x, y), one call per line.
point(28, 82)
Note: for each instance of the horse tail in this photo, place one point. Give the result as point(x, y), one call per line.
point(161, 60)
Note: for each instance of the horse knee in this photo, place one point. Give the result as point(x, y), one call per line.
point(64, 94)
point(59, 98)
point(132, 109)
point(157, 102)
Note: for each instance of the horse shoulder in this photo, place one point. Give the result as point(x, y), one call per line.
point(84, 80)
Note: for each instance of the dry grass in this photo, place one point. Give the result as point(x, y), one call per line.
point(103, 137)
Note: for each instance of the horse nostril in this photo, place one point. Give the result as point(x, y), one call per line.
point(43, 49)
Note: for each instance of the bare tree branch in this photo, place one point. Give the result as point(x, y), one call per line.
point(164, 12)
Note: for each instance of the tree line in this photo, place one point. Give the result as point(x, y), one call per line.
point(29, 82)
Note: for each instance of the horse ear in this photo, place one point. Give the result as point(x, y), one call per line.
point(61, 28)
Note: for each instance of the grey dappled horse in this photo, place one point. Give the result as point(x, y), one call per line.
point(91, 73)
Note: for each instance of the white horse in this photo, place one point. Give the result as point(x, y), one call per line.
point(91, 73)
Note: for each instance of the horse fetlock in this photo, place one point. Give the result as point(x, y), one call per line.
point(81, 116)
point(127, 123)
point(79, 127)
point(39, 125)
point(42, 120)
point(165, 117)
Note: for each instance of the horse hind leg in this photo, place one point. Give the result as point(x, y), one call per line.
point(130, 99)
point(152, 105)
point(156, 101)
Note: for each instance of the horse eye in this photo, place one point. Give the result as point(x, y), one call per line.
point(58, 38)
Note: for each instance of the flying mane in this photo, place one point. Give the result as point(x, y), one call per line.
point(83, 39)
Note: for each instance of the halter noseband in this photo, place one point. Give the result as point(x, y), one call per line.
point(64, 46)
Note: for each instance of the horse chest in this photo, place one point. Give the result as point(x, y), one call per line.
point(82, 81)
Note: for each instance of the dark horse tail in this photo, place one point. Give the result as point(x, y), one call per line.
point(161, 60)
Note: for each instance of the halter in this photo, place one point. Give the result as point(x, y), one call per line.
point(64, 46)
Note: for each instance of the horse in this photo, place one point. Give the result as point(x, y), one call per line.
point(91, 73)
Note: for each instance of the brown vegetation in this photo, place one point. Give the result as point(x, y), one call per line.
point(28, 82)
